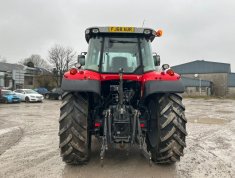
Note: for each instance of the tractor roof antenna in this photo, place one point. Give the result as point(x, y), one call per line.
point(143, 23)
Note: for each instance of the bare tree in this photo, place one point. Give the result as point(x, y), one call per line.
point(62, 59)
point(36, 60)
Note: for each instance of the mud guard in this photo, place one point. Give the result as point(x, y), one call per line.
point(158, 86)
point(81, 85)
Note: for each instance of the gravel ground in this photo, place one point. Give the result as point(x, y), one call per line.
point(29, 145)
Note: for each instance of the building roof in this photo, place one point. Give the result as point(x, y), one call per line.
point(231, 80)
point(4, 67)
point(44, 71)
point(10, 67)
point(202, 67)
point(191, 82)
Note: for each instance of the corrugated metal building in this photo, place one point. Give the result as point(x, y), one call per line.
point(195, 82)
point(196, 87)
point(202, 67)
point(231, 84)
point(215, 72)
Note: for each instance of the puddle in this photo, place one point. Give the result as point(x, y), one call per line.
point(32, 115)
point(209, 121)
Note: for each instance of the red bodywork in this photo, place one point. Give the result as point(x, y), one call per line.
point(149, 76)
point(91, 75)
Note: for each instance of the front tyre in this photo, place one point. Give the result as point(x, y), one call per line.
point(75, 138)
point(47, 96)
point(168, 126)
point(27, 100)
point(5, 101)
point(59, 97)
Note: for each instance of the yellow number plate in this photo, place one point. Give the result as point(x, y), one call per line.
point(122, 29)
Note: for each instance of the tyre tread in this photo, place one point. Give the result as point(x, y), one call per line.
point(172, 129)
point(74, 143)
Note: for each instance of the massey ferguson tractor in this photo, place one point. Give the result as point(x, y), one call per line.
point(119, 93)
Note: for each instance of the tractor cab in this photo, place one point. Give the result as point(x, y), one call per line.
point(113, 48)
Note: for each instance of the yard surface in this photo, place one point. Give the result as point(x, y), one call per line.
point(29, 145)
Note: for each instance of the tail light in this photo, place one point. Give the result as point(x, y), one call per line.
point(73, 71)
point(97, 124)
point(170, 72)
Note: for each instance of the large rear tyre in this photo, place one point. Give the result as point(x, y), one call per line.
point(75, 138)
point(166, 140)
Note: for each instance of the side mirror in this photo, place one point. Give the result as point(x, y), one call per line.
point(156, 59)
point(81, 60)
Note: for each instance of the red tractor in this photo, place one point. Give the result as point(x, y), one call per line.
point(119, 94)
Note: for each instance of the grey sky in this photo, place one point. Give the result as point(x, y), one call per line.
point(193, 29)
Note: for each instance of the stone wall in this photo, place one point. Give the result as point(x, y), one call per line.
point(195, 91)
point(219, 80)
point(231, 92)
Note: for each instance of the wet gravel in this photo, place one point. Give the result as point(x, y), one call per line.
point(34, 151)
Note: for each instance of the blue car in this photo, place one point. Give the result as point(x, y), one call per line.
point(8, 96)
point(42, 91)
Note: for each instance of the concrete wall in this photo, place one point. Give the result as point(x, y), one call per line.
point(220, 82)
point(231, 92)
point(195, 91)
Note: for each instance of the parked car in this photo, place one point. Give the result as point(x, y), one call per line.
point(41, 91)
point(55, 93)
point(8, 96)
point(29, 95)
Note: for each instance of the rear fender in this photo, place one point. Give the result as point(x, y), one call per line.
point(81, 85)
point(162, 86)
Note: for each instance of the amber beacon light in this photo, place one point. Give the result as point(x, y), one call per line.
point(159, 33)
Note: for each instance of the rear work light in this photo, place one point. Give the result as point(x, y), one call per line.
point(147, 31)
point(95, 30)
point(87, 31)
point(73, 71)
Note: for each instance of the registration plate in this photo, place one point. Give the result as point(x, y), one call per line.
point(122, 29)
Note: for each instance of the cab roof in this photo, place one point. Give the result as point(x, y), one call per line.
point(120, 31)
